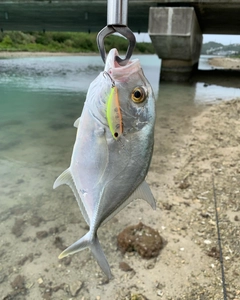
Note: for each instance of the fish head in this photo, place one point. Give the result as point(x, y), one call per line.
point(135, 95)
point(125, 101)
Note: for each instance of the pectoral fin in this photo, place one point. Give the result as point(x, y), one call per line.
point(76, 123)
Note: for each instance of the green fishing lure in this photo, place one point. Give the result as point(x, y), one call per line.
point(114, 115)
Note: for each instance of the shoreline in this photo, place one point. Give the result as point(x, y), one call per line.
point(225, 62)
point(22, 54)
point(218, 62)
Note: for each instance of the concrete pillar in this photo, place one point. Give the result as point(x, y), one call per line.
point(177, 39)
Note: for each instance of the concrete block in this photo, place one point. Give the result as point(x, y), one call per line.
point(176, 37)
point(175, 33)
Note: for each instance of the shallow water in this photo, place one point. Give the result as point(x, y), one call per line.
point(40, 98)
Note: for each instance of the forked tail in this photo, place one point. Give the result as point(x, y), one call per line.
point(92, 242)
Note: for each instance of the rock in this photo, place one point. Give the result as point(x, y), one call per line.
point(18, 227)
point(214, 252)
point(18, 210)
point(57, 229)
point(41, 234)
point(75, 288)
point(40, 280)
point(22, 261)
point(62, 286)
point(125, 267)
point(18, 284)
point(35, 220)
point(25, 239)
point(184, 185)
point(67, 260)
point(58, 242)
point(3, 276)
point(141, 238)
point(47, 294)
point(149, 265)
point(19, 181)
point(138, 297)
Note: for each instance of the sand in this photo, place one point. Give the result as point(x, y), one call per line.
point(188, 266)
point(190, 155)
point(225, 62)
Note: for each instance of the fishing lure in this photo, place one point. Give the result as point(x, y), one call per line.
point(114, 115)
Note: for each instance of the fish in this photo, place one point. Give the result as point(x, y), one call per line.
point(112, 151)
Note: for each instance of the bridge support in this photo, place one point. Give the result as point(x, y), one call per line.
point(177, 39)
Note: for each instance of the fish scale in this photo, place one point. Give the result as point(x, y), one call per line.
point(110, 162)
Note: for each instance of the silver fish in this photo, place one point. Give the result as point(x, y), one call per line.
point(112, 151)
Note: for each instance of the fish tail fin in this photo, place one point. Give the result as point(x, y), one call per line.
point(100, 257)
point(92, 242)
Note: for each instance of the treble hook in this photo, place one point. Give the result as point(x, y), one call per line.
point(117, 22)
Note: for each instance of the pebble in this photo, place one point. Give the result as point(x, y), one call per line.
point(42, 234)
point(207, 242)
point(75, 287)
point(40, 280)
point(159, 293)
point(125, 267)
point(18, 227)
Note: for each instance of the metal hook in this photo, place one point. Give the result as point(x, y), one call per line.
point(117, 11)
point(123, 30)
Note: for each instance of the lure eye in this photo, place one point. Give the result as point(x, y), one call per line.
point(138, 94)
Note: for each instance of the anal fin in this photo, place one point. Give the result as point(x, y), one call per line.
point(66, 178)
point(142, 192)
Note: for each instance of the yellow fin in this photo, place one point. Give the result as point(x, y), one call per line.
point(114, 115)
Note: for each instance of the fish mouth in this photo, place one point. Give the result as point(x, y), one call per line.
point(117, 71)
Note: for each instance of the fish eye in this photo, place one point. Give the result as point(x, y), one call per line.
point(139, 94)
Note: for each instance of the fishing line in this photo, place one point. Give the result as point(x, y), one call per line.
point(106, 74)
point(219, 240)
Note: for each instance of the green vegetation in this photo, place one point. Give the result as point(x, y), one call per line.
point(232, 50)
point(64, 42)
point(210, 45)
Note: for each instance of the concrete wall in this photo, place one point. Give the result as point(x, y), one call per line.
point(177, 39)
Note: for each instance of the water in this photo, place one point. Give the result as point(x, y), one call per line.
point(40, 98)
point(203, 63)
